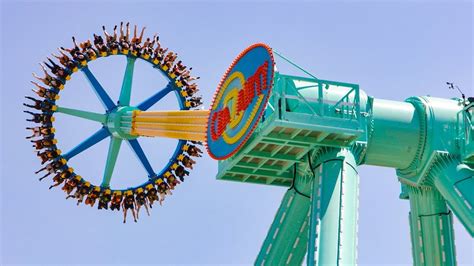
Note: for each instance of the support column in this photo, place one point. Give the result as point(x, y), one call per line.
point(334, 205)
point(431, 228)
point(455, 182)
point(287, 238)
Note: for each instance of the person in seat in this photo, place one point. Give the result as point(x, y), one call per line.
point(57, 70)
point(71, 184)
point(141, 200)
point(128, 203)
point(93, 195)
point(151, 194)
point(59, 178)
point(49, 154)
point(116, 200)
point(44, 105)
point(104, 199)
point(44, 143)
point(124, 38)
point(44, 92)
point(44, 118)
point(46, 132)
point(82, 190)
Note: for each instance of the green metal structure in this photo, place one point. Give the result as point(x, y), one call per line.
point(312, 137)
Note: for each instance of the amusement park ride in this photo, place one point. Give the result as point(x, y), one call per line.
point(270, 128)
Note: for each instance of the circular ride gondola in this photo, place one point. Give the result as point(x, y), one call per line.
point(180, 82)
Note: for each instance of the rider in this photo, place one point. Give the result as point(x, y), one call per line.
point(83, 189)
point(169, 60)
point(46, 132)
point(181, 172)
point(111, 40)
point(75, 52)
point(178, 68)
point(148, 47)
point(186, 160)
point(159, 52)
point(57, 70)
point(136, 41)
point(152, 194)
point(44, 143)
point(45, 105)
point(192, 150)
point(99, 44)
point(49, 154)
point(71, 184)
point(59, 178)
point(129, 203)
point(116, 200)
point(48, 80)
point(186, 77)
point(141, 200)
point(171, 180)
point(88, 50)
point(104, 199)
point(190, 90)
point(163, 189)
point(44, 118)
point(44, 92)
point(66, 61)
point(193, 101)
point(53, 167)
point(93, 195)
point(124, 38)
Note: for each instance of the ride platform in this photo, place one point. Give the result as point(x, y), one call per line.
point(301, 116)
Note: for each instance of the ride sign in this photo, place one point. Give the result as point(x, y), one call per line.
point(240, 100)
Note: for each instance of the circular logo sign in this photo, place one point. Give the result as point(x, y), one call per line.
point(240, 100)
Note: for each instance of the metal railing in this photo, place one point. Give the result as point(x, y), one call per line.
point(345, 107)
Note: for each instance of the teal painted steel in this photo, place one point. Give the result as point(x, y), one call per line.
point(455, 182)
point(428, 140)
point(431, 228)
point(101, 118)
point(286, 240)
point(395, 134)
point(292, 126)
point(114, 148)
point(116, 120)
point(465, 131)
point(334, 205)
point(126, 90)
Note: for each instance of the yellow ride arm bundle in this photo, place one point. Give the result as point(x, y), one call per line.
point(187, 125)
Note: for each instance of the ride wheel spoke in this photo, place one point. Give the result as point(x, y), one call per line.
point(137, 149)
point(89, 142)
point(101, 118)
point(114, 148)
point(98, 89)
point(126, 91)
point(146, 104)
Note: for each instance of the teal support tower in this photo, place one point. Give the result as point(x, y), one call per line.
point(313, 135)
point(334, 203)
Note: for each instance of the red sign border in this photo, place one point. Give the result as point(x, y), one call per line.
point(224, 77)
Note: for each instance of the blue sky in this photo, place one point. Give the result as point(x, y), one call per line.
point(392, 50)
